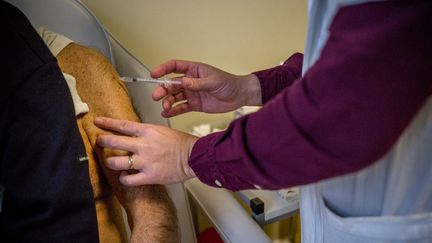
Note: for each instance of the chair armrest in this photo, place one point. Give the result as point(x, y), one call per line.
point(230, 219)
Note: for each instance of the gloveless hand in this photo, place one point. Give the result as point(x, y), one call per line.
point(204, 88)
point(160, 154)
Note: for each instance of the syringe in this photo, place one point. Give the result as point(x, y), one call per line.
point(165, 82)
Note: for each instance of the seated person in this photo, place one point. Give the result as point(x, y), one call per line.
point(48, 195)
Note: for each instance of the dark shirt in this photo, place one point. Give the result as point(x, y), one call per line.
point(47, 191)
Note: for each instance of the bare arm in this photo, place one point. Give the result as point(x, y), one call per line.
point(150, 211)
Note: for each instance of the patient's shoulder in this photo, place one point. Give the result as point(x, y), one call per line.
point(97, 81)
point(78, 55)
point(90, 68)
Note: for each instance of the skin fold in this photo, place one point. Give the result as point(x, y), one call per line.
point(151, 213)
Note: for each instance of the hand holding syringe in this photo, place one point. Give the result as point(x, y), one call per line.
point(164, 82)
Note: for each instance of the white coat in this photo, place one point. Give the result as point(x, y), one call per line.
point(394, 194)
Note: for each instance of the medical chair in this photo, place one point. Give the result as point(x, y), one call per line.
point(74, 20)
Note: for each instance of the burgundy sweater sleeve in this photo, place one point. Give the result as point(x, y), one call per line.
point(373, 75)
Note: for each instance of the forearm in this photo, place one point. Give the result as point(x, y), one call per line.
point(252, 90)
point(263, 85)
point(145, 205)
point(150, 211)
point(153, 215)
point(257, 88)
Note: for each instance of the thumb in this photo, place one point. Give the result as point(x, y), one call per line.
point(196, 84)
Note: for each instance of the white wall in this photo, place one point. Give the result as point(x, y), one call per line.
point(239, 36)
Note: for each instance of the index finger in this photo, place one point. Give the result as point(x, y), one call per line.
point(121, 126)
point(173, 66)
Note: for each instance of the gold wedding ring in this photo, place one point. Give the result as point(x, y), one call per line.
point(130, 162)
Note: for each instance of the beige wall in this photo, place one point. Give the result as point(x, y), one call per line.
point(239, 36)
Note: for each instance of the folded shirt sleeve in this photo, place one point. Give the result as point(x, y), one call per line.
point(345, 113)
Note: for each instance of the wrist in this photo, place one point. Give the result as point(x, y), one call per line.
point(252, 90)
point(187, 169)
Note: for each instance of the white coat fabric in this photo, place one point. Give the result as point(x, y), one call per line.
point(389, 201)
